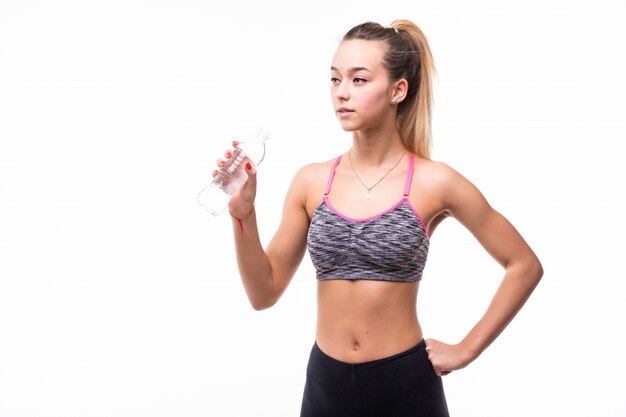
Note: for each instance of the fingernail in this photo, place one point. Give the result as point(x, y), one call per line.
point(228, 154)
point(248, 166)
point(222, 163)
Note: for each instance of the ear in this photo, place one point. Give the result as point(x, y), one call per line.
point(399, 90)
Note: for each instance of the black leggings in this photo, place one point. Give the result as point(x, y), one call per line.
point(401, 385)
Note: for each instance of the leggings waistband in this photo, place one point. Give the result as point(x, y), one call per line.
point(369, 364)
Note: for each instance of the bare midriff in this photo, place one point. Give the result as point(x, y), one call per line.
point(364, 320)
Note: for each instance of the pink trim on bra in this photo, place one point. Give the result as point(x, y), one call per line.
point(353, 219)
point(407, 187)
point(375, 216)
point(332, 175)
point(419, 218)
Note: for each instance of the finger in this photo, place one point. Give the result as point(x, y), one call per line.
point(228, 154)
point(429, 345)
point(235, 143)
point(250, 171)
point(220, 162)
point(214, 173)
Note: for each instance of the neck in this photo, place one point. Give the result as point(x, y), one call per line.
point(376, 149)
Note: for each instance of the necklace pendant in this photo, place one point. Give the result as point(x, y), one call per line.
point(367, 195)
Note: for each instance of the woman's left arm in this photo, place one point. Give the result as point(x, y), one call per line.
point(503, 242)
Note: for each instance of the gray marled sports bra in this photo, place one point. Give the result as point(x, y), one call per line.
point(388, 246)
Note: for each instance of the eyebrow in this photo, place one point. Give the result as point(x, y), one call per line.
point(353, 69)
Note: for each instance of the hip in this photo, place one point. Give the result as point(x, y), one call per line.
point(397, 385)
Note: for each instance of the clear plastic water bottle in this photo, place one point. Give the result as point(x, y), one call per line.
point(232, 176)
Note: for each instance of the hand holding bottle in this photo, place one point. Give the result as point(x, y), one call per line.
point(242, 201)
point(234, 182)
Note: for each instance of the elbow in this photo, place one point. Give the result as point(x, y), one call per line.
point(268, 297)
point(257, 306)
point(528, 270)
point(262, 304)
point(535, 270)
point(539, 270)
point(262, 296)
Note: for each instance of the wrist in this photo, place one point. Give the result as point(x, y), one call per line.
point(240, 219)
point(237, 215)
point(471, 351)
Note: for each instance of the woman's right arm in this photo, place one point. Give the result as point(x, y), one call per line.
point(266, 273)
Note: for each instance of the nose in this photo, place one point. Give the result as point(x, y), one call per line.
point(341, 91)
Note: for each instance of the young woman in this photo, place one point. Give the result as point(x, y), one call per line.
point(367, 218)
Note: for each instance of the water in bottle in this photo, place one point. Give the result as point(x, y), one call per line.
point(232, 176)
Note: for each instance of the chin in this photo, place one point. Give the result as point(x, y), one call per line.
point(348, 127)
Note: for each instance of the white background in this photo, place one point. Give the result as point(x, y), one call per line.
point(119, 294)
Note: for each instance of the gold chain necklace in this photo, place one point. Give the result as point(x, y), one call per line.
point(367, 194)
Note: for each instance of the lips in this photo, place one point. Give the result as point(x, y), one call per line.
point(344, 110)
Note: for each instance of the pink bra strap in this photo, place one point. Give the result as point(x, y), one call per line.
point(332, 175)
point(409, 175)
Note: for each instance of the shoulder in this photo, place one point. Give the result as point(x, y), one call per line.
point(311, 173)
point(452, 187)
point(437, 173)
point(309, 181)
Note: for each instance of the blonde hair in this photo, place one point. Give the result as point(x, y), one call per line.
point(407, 56)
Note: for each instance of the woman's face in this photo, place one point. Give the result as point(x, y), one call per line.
point(360, 88)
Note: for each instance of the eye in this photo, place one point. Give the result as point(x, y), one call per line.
point(335, 80)
point(359, 80)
